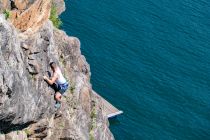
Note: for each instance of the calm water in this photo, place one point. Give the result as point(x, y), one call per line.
point(151, 59)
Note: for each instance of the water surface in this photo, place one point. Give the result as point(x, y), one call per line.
point(151, 59)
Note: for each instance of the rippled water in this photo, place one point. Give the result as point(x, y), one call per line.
point(151, 59)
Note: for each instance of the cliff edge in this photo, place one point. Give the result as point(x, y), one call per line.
point(28, 43)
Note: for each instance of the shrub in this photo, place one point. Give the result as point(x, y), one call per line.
point(7, 13)
point(93, 123)
point(28, 133)
point(91, 136)
point(54, 17)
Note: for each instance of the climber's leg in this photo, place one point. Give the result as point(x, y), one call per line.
point(58, 96)
point(58, 99)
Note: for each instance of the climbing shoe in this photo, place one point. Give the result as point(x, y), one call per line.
point(57, 105)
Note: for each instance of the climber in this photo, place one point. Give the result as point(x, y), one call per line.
point(57, 81)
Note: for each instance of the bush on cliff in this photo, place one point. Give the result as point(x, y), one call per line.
point(6, 13)
point(54, 17)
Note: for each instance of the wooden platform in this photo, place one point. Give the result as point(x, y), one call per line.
point(109, 109)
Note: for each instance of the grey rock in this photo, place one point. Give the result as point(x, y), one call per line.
point(27, 101)
point(60, 4)
point(22, 101)
point(24, 46)
point(34, 67)
point(31, 57)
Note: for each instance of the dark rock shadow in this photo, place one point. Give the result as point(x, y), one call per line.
point(12, 128)
point(54, 86)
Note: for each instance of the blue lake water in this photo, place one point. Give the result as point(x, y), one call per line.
point(151, 59)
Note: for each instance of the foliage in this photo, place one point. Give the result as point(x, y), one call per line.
point(28, 133)
point(93, 123)
point(61, 125)
point(91, 136)
point(93, 113)
point(54, 17)
point(7, 13)
point(72, 89)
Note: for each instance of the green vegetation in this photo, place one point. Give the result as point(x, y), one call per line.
point(61, 125)
point(7, 14)
point(28, 133)
point(93, 113)
point(54, 17)
point(32, 77)
point(93, 123)
point(62, 60)
point(72, 89)
point(91, 136)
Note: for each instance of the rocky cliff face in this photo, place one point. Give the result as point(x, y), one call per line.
point(28, 43)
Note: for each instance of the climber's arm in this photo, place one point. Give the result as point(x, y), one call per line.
point(52, 80)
